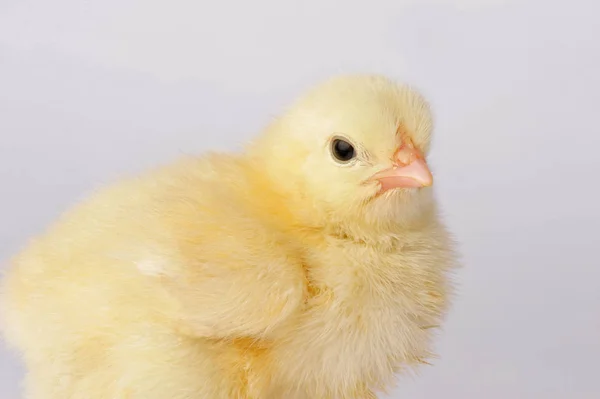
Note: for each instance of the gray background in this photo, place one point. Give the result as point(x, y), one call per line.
point(89, 90)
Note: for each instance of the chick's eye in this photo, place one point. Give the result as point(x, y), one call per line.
point(342, 150)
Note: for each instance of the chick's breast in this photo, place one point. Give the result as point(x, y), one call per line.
point(371, 312)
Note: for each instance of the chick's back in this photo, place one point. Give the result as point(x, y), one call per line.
point(173, 250)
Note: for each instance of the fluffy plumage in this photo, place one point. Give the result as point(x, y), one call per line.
point(277, 272)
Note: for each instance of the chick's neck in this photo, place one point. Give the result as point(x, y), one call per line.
point(285, 206)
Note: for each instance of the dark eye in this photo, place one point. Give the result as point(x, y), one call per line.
point(342, 150)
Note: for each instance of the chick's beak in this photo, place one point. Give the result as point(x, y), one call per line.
point(409, 171)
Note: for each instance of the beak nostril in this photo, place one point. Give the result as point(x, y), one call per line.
point(406, 154)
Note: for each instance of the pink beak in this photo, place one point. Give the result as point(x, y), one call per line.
point(409, 171)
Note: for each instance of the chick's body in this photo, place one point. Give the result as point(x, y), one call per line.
point(276, 273)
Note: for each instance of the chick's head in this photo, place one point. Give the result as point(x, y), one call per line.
point(354, 147)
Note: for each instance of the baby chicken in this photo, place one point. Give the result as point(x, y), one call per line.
point(311, 265)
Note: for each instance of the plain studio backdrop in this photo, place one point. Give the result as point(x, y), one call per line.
point(91, 90)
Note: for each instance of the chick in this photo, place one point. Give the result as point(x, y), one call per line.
point(311, 265)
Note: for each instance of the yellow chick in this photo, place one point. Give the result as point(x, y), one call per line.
point(311, 265)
